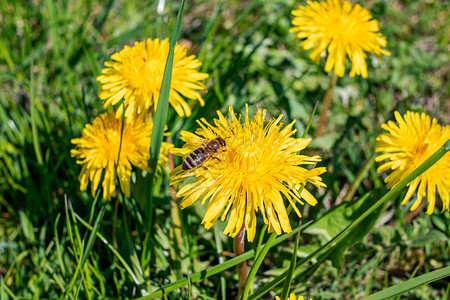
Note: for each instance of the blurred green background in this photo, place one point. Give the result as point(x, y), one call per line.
point(50, 55)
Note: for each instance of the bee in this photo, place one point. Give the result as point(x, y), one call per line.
point(197, 157)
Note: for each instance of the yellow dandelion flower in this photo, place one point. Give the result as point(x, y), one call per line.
point(136, 74)
point(253, 171)
point(341, 28)
point(97, 150)
point(407, 146)
point(292, 297)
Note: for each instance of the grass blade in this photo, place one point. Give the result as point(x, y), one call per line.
point(92, 236)
point(137, 279)
point(7, 56)
point(257, 264)
point(59, 250)
point(88, 246)
point(407, 285)
point(310, 120)
point(260, 240)
point(159, 121)
point(290, 272)
point(34, 127)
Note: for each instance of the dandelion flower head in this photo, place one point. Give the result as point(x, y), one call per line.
point(135, 74)
point(97, 150)
point(343, 29)
point(407, 145)
point(292, 297)
point(258, 166)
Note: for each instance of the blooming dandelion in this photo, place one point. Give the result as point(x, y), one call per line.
point(407, 145)
point(341, 28)
point(97, 150)
point(256, 167)
point(136, 74)
point(292, 297)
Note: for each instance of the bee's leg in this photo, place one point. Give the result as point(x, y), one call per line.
point(215, 158)
point(204, 168)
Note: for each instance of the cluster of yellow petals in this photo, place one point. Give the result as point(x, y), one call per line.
point(342, 29)
point(292, 297)
point(136, 74)
point(258, 166)
point(407, 145)
point(98, 148)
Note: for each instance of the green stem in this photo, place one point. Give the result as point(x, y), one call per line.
point(405, 286)
point(358, 178)
point(261, 238)
point(290, 273)
point(89, 245)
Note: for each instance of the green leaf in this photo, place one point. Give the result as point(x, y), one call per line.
point(339, 217)
point(442, 222)
point(405, 286)
point(59, 249)
point(92, 235)
point(27, 228)
point(290, 272)
point(430, 237)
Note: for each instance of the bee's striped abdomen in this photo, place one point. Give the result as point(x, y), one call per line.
point(196, 158)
